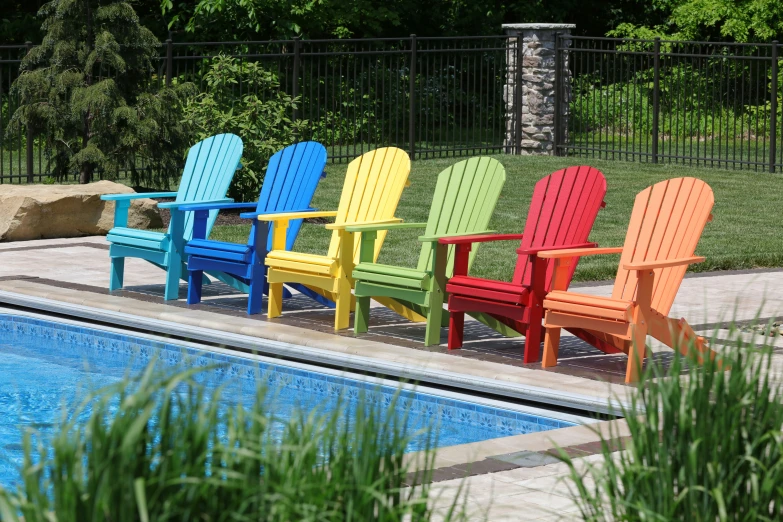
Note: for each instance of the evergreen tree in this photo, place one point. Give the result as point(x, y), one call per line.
point(89, 91)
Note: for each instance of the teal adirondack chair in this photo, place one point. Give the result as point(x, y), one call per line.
point(464, 199)
point(210, 165)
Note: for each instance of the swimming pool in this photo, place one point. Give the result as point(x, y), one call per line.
point(45, 365)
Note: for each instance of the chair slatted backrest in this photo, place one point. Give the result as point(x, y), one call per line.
point(209, 168)
point(465, 197)
point(562, 212)
point(373, 186)
point(666, 223)
point(290, 182)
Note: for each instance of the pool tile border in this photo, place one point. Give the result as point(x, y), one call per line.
point(106, 344)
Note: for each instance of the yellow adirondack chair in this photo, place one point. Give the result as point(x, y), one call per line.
point(372, 189)
point(666, 223)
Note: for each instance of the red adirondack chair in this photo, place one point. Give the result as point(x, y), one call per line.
point(561, 215)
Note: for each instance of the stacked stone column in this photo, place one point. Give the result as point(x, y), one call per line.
point(533, 88)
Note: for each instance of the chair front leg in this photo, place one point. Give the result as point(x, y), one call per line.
point(275, 303)
point(361, 321)
point(436, 294)
point(562, 271)
point(457, 319)
point(640, 324)
point(536, 309)
point(342, 285)
point(551, 347)
point(456, 329)
point(255, 296)
point(176, 248)
point(121, 209)
point(117, 273)
point(552, 335)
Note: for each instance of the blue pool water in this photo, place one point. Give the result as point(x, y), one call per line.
point(46, 366)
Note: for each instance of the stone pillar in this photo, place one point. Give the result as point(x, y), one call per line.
point(533, 88)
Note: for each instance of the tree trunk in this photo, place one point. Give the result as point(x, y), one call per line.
point(85, 176)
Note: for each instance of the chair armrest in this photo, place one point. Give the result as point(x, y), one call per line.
point(254, 215)
point(344, 226)
point(474, 238)
point(534, 251)
point(432, 239)
point(299, 214)
point(216, 206)
point(137, 195)
point(176, 205)
point(371, 227)
point(577, 252)
point(649, 265)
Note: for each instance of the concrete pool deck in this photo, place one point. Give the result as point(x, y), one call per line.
point(70, 277)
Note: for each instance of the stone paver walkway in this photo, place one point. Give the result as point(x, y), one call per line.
point(76, 271)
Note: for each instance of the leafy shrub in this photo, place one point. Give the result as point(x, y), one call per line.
point(688, 107)
point(260, 113)
point(163, 448)
point(703, 448)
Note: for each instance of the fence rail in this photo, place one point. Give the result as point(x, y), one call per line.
point(696, 103)
point(707, 104)
point(434, 97)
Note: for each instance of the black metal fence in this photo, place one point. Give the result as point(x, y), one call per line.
point(695, 103)
point(434, 97)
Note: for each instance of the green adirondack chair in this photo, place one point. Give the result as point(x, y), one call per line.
point(210, 165)
point(464, 199)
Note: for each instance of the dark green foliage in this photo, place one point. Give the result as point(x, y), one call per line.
point(715, 20)
point(245, 99)
point(206, 20)
point(88, 91)
point(703, 448)
point(165, 449)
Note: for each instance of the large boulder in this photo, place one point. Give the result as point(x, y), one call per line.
point(49, 211)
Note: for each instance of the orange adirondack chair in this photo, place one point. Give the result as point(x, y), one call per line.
point(666, 223)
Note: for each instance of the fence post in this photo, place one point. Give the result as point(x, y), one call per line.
point(773, 105)
point(169, 60)
point(295, 88)
point(412, 99)
point(30, 137)
point(518, 94)
point(558, 97)
point(656, 96)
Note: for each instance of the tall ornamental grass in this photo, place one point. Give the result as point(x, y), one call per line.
point(704, 447)
point(164, 448)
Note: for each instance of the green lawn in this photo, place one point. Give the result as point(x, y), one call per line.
point(747, 231)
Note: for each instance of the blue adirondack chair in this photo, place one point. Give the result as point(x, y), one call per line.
point(209, 167)
point(291, 178)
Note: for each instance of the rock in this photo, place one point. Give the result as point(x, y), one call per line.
point(50, 211)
